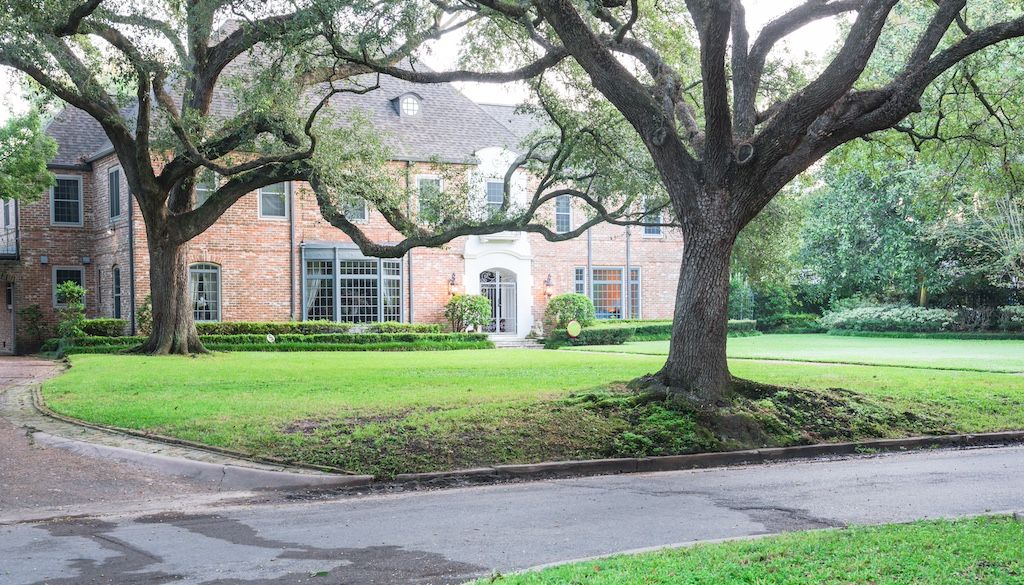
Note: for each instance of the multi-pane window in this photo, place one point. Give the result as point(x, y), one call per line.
point(204, 284)
point(9, 232)
point(319, 293)
point(429, 192)
point(274, 200)
point(353, 290)
point(10, 212)
point(356, 211)
point(563, 214)
point(653, 217)
point(62, 275)
point(606, 292)
point(495, 196)
point(609, 293)
point(114, 192)
point(66, 201)
point(410, 105)
point(205, 186)
point(116, 277)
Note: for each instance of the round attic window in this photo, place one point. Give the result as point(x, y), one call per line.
point(410, 105)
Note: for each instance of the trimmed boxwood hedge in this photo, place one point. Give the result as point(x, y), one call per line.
point(293, 341)
point(927, 335)
point(273, 327)
point(105, 327)
point(302, 346)
point(619, 332)
point(396, 327)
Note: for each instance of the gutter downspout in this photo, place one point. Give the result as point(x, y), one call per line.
point(628, 279)
point(589, 280)
point(291, 253)
point(408, 255)
point(131, 262)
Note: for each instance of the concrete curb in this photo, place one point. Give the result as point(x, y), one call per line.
point(555, 469)
point(228, 477)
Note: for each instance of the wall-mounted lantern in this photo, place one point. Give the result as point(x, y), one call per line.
point(549, 286)
point(453, 287)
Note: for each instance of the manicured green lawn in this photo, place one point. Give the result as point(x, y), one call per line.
point(402, 412)
point(972, 354)
point(981, 551)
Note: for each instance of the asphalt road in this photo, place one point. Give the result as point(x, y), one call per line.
point(452, 535)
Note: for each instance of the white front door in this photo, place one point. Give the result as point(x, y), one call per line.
point(499, 286)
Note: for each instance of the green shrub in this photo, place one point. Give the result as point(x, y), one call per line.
point(772, 299)
point(104, 327)
point(890, 318)
point(465, 311)
point(396, 327)
point(144, 317)
point(791, 323)
point(569, 307)
point(742, 326)
point(590, 336)
point(33, 323)
point(71, 313)
point(1011, 318)
point(271, 327)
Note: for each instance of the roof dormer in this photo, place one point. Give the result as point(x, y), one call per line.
point(408, 105)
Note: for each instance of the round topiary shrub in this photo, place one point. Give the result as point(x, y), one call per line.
point(465, 311)
point(570, 307)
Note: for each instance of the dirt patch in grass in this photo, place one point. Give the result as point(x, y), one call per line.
point(617, 422)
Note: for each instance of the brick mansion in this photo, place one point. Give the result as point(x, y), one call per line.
point(272, 256)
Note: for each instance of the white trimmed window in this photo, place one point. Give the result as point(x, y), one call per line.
point(357, 211)
point(204, 285)
point(274, 201)
point(608, 291)
point(428, 191)
point(66, 202)
point(62, 274)
point(410, 105)
point(653, 231)
point(563, 214)
point(495, 196)
point(114, 191)
point(205, 186)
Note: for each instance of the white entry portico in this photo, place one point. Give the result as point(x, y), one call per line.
point(500, 266)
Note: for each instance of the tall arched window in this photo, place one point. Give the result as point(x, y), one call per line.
point(204, 284)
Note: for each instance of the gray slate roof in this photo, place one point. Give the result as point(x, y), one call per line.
point(450, 127)
point(522, 124)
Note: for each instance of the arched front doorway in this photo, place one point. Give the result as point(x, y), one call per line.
point(499, 286)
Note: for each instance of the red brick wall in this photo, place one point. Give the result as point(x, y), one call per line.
point(257, 268)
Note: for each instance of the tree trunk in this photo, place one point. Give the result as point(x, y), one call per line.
point(696, 367)
point(174, 329)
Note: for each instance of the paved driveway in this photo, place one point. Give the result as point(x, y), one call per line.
point(40, 481)
point(450, 536)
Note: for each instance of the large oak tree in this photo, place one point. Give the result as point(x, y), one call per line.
point(723, 124)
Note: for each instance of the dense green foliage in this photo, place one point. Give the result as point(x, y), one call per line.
point(70, 310)
point(467, 311)
point(104, 327)
point(25, 148)
point(890, 318)
point(562, 309)
point(270, 327)
point(791, 323)
point(982, 551)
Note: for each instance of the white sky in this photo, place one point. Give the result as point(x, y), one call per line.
point(814, 39)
